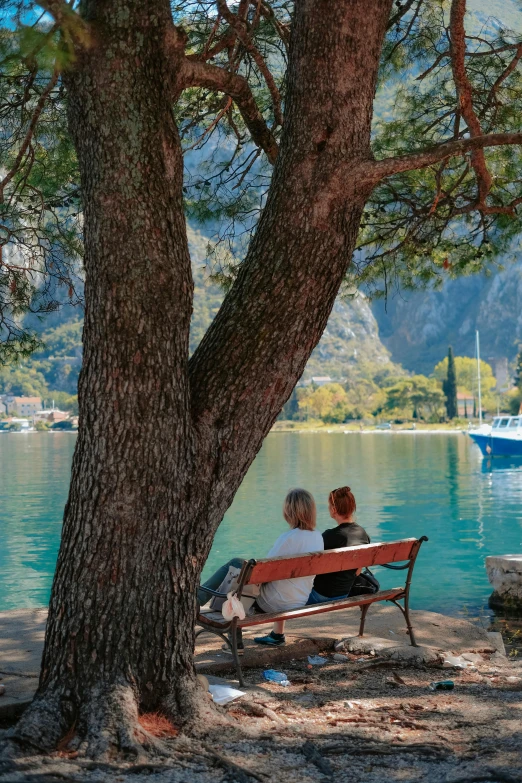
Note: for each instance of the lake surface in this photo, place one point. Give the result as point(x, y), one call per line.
point(405, 485)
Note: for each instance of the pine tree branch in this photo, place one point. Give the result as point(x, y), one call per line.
point(503, 76)
point(70, 22)
point(381, 169)
point(265, 9)
point(465, 97)
point(199, 74)
point(476, 141)
point(29, 135)
point(403, 10)
point(239, 26)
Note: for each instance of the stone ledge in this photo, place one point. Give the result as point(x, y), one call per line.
point(386, 648)
point(505, 576)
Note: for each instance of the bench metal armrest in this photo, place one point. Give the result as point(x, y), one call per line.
point(213, 592)
point(406, 565)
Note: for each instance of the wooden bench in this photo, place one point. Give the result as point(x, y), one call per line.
point(313, 563)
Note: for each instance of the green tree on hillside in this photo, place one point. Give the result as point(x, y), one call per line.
point(415, 397)
point(466, 373)
point(22, 381)
point(515, 395)
point(328, 402)
point(336, 403)
point(63, 401)
point(449, 387)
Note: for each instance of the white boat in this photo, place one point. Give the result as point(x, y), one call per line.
point(502, 439)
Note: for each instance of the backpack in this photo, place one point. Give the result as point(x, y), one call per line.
point(365, 584)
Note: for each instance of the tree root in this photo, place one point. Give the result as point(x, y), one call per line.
point(105, 727)
point(207, 753)
point(313, 755)
point(42, 725)
point(108, 726)
point(492, 775)
point(199, 712)
point(384, 750)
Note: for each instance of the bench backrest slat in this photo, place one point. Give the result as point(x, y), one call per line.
point(314, 563)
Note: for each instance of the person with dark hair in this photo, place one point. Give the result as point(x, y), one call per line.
point(342, 507)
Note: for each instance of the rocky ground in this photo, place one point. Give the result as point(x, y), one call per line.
point(363, 718)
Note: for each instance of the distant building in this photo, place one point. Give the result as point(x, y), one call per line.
point(23, 406)
point(52, 415)
point(322, 380)
point(464, 405)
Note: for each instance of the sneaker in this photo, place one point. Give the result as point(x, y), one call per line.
point(272, 640)
point(240, 644)
point(240, 648)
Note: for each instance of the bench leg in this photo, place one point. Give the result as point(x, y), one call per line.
point(408, 623)
point(231, 640)
point(406, 613)
point(364, 611)
point(233, 644)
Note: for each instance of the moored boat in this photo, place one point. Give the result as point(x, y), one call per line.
point(502, 439)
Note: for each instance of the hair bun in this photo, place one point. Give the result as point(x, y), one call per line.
point(343, 502)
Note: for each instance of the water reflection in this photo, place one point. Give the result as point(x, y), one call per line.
point(501, 464)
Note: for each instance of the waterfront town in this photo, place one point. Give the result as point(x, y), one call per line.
point(29, 413)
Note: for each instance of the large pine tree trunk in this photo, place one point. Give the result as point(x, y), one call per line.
point(163, 446)
point(122, 608)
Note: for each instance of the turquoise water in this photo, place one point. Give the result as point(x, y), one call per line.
point(405, 485)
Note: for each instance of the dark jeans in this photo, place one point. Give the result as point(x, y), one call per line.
point(317, 598)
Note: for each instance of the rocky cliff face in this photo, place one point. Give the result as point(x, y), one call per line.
point(351, 336)
point(417, 327)
point(414, 329)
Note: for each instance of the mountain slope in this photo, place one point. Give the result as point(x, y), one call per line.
point(350, 338)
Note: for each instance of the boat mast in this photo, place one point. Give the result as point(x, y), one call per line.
point(478, 376)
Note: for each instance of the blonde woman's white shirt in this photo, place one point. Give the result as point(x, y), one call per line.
point(290, 593)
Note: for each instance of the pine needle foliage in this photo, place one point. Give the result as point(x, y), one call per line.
point(419, 228)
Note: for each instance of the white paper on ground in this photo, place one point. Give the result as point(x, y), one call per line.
point(455, 662)
point(223, 694)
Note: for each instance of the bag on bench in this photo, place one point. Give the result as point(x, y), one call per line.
point(228, 585)
point(365, 584)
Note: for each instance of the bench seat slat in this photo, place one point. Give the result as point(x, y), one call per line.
point(314, 563)
point(216, 618)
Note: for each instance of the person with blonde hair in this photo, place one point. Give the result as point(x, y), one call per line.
point(300, 513)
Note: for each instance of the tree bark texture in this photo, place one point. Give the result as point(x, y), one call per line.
point(164, 444)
